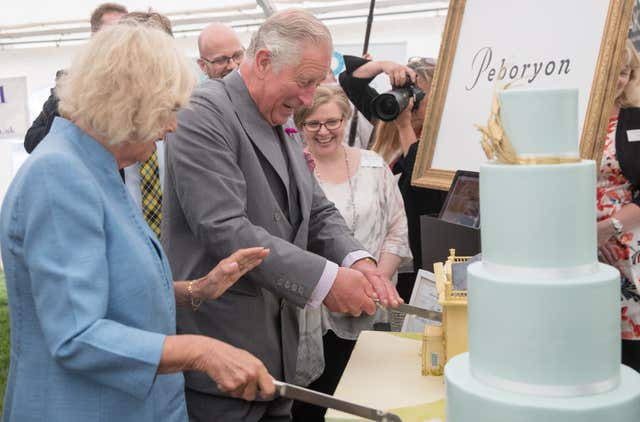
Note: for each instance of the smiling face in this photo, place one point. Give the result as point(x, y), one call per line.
point(220, 49)
point(282, 91)
point(324, 142)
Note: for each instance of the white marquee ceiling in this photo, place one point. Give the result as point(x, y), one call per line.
point(31, 22)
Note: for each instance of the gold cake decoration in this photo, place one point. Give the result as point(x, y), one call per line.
point(496, 144)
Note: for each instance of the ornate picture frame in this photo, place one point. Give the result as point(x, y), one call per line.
point(488, 43)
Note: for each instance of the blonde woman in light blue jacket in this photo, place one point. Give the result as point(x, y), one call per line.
point(91, 295)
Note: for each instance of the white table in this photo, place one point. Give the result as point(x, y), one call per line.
point(384, 372)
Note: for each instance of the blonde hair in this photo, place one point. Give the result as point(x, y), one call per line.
point(386, 139)
point(630, 97)
point(125, 83)
point(324, 95)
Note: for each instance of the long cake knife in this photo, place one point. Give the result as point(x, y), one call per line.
point(414, 310)
point(294, 392)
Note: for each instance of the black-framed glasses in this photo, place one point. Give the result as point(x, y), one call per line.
point(224, 60)
point(314, 126)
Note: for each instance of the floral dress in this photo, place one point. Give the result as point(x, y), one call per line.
point(613, 192)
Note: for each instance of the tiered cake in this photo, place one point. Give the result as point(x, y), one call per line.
point(544, 315)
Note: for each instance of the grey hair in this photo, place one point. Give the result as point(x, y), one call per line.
point(284, 33)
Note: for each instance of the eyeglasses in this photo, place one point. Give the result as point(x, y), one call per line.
point(224, 60)
point(430, 61)
point(331, 124)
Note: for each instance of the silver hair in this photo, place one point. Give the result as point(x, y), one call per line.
point(284, 33)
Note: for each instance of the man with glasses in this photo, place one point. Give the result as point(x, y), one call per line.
point(220, 50)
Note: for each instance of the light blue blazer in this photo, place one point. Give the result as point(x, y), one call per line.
point(90, 292)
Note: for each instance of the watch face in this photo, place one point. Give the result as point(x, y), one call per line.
point(617, 225)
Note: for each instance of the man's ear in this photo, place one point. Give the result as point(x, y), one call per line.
point(263, 63)
point(203, 66)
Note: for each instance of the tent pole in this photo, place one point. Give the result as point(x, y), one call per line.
point(365, 49)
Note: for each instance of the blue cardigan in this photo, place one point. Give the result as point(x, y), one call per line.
point(90, 292)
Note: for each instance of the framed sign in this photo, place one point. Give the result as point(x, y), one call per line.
point(423, 295)
point(543, 44)
point(14, 112)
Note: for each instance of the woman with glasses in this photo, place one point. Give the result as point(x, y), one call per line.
point(364, 190)
point(397, 141)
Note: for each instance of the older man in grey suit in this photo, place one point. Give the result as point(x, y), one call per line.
point(235, 178)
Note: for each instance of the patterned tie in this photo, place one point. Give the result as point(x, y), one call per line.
point(151, 193)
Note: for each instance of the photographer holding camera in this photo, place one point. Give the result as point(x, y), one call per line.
point(398, 117)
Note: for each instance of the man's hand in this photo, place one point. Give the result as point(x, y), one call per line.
point(351, 293)
point(385, 291)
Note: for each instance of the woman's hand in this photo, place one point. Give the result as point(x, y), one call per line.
point(398, 73)
point(605, 231)
point(235, 371)
point(609, 252)
point(227, 272)
point(403, 121)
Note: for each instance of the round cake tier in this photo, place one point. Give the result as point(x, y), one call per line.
point(541, 122)
point(553, 334)
point(538, 215)
point(469, 400)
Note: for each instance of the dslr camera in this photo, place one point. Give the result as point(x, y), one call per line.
point(388, 105)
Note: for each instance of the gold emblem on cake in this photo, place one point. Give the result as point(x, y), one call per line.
point(495, 142)
point(496, 145)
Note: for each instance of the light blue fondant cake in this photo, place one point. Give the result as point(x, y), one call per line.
point(544, 315)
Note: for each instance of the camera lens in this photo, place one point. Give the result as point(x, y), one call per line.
point(387, 107)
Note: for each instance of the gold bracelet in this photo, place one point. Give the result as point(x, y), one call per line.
point(195, 303)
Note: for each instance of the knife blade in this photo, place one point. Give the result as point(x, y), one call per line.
point(294, 392)
point(413, 310)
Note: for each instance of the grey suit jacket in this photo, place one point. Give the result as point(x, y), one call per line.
point(227, 185)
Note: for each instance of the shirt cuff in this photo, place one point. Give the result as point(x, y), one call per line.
point(329, 276)
point(350, 259)
point(324, 284)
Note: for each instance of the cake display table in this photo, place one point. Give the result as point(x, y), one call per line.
point(384, 372)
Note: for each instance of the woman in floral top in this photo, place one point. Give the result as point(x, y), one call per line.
point(619, 202)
